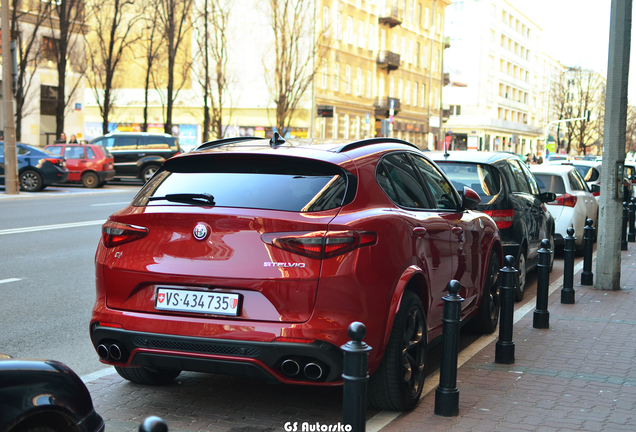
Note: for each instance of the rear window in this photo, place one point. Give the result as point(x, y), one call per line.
point(483, 179)
point(589, 174)
point(550, 183)
point(262, 182)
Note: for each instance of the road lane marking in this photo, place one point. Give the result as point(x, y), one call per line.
point(108, 204)
point(51, 227)
point(9, 280)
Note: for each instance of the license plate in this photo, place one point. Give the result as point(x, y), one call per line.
point(181, 300)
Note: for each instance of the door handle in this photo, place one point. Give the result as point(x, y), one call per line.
point(419, 231)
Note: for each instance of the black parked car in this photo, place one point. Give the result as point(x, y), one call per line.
point(138, 154)
point(37, 168)
point(510, 195)
point(44, 396)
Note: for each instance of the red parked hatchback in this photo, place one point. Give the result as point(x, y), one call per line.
point(90, 164)
point(252, 257)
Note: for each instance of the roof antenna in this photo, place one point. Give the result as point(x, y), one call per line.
point(276, 140)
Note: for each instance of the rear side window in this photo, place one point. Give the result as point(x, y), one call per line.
point(57, 150)
point(74, 152)
point(397, 177)
point(90, 154)
point(520, 178)
point(550, 183)
point(269, 183)
point(576, 182)
point(483, 179)
point(589, 174)
point(125, 143)
point(154, 143)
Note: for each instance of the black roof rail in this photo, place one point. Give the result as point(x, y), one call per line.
point(370, 141)
point(226, 141)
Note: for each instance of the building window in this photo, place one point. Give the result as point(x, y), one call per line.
point(418, 17)
point(417, 54)
point(350, 30)
point(48, 100)
point(392, 87)
point(338, 26)
point(415, 94)
point(50, 48)
point(346, 127)
point(427, 18)
point(400, 89)
point(325, 21)
point(407, 93)
point(348, 78)
point(334, 127)
point(371, 36)
point(423, 98)
point(325, 74)
point(369, 83)
point(336, 77)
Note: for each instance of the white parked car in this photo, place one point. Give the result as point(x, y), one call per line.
point(574, 204)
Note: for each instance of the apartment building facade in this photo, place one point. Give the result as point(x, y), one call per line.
point(499, 93)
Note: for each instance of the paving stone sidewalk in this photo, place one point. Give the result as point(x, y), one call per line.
point(578, 375)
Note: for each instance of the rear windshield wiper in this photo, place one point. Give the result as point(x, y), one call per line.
point(185, 198)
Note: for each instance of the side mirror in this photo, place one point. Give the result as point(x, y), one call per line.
point(470, 199)
point(547, 197)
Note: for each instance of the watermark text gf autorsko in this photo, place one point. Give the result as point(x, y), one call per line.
point(316, 427)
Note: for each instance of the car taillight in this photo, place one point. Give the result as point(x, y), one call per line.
point(566, 200)
point(115, 233)
point(320, 244)
point(503, 218)
point(58, 162)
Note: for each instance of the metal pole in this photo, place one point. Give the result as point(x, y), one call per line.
point(624, 227)
point(541, 318)
point(505, 347)
point(355, 375)
point(587, 277)
point(447, 394)
point(567, 292)
point(632, 216)
point(11, 184)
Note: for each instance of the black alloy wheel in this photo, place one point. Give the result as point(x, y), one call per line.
point(523, 274)
point(488, 315)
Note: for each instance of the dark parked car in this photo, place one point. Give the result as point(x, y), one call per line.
point(44, 396)
point(253, 257)
point(37, 168)
point(137, 154)
point(89, 164)
point(510, 195)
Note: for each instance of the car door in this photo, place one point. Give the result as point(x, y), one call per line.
point(582, 191)
point(430, 231)
point(466, 231)
point(126, 155)
point(539, 212)
point(75, 162)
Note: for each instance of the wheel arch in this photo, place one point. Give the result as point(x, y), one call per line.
point(53, 419)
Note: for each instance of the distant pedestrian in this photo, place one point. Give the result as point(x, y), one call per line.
point(73, 139)
point(62, 138)
point(528, 159)
point(534, 158)
point(540, 160)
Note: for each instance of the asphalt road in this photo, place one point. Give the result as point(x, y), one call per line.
point(47, 288)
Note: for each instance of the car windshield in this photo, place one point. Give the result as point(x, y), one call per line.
point(550, 183)
point(287, 184)
point(483, 179)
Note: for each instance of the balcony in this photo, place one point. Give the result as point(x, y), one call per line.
point(388, 60)
point(390, 16)
point(383, 107)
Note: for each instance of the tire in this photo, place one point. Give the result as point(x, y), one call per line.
point(30, 181)
point(90, 180)
point(142, 375)
point(147, 172)
point(397, 384)
point(522, 268)
point(38, 429)
point(488, 314)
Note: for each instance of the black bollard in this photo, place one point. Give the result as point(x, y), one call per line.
point(355, 375)
point(632, 216)
point(505, 347)
point(587, 277)
point(567, 292)
point(624, 227)
point(541, 318)
point(447, 394)
point(153, 424)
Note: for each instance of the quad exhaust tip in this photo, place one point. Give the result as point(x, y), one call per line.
point(115, 352)
point(313, 371)
point(102, 352)
point(290, 367)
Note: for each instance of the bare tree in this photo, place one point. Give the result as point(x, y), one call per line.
point(67, 18)
point(559, 101)
point(25, 25)
point(630, 132)
point(213, 77)
point(585, 96)
point(296, 59)
point(174, 23)
point(112, 25)
point(151, 50)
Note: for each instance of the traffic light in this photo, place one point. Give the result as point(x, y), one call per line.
point(587, 115)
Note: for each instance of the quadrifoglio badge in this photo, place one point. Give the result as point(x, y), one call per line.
point(316, 427)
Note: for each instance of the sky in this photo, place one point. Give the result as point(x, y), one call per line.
point(576, 33)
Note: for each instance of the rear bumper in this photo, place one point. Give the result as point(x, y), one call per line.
point(106, 175)
point(222, 356)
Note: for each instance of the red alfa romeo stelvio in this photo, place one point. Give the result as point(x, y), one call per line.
point(253, 256)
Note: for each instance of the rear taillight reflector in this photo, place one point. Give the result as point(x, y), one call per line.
point(115, 233)
point(320, 244)
point(566, 200)
point(503, 218)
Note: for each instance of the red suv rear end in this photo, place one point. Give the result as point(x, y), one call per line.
point(252, 257)
point(90, 164)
